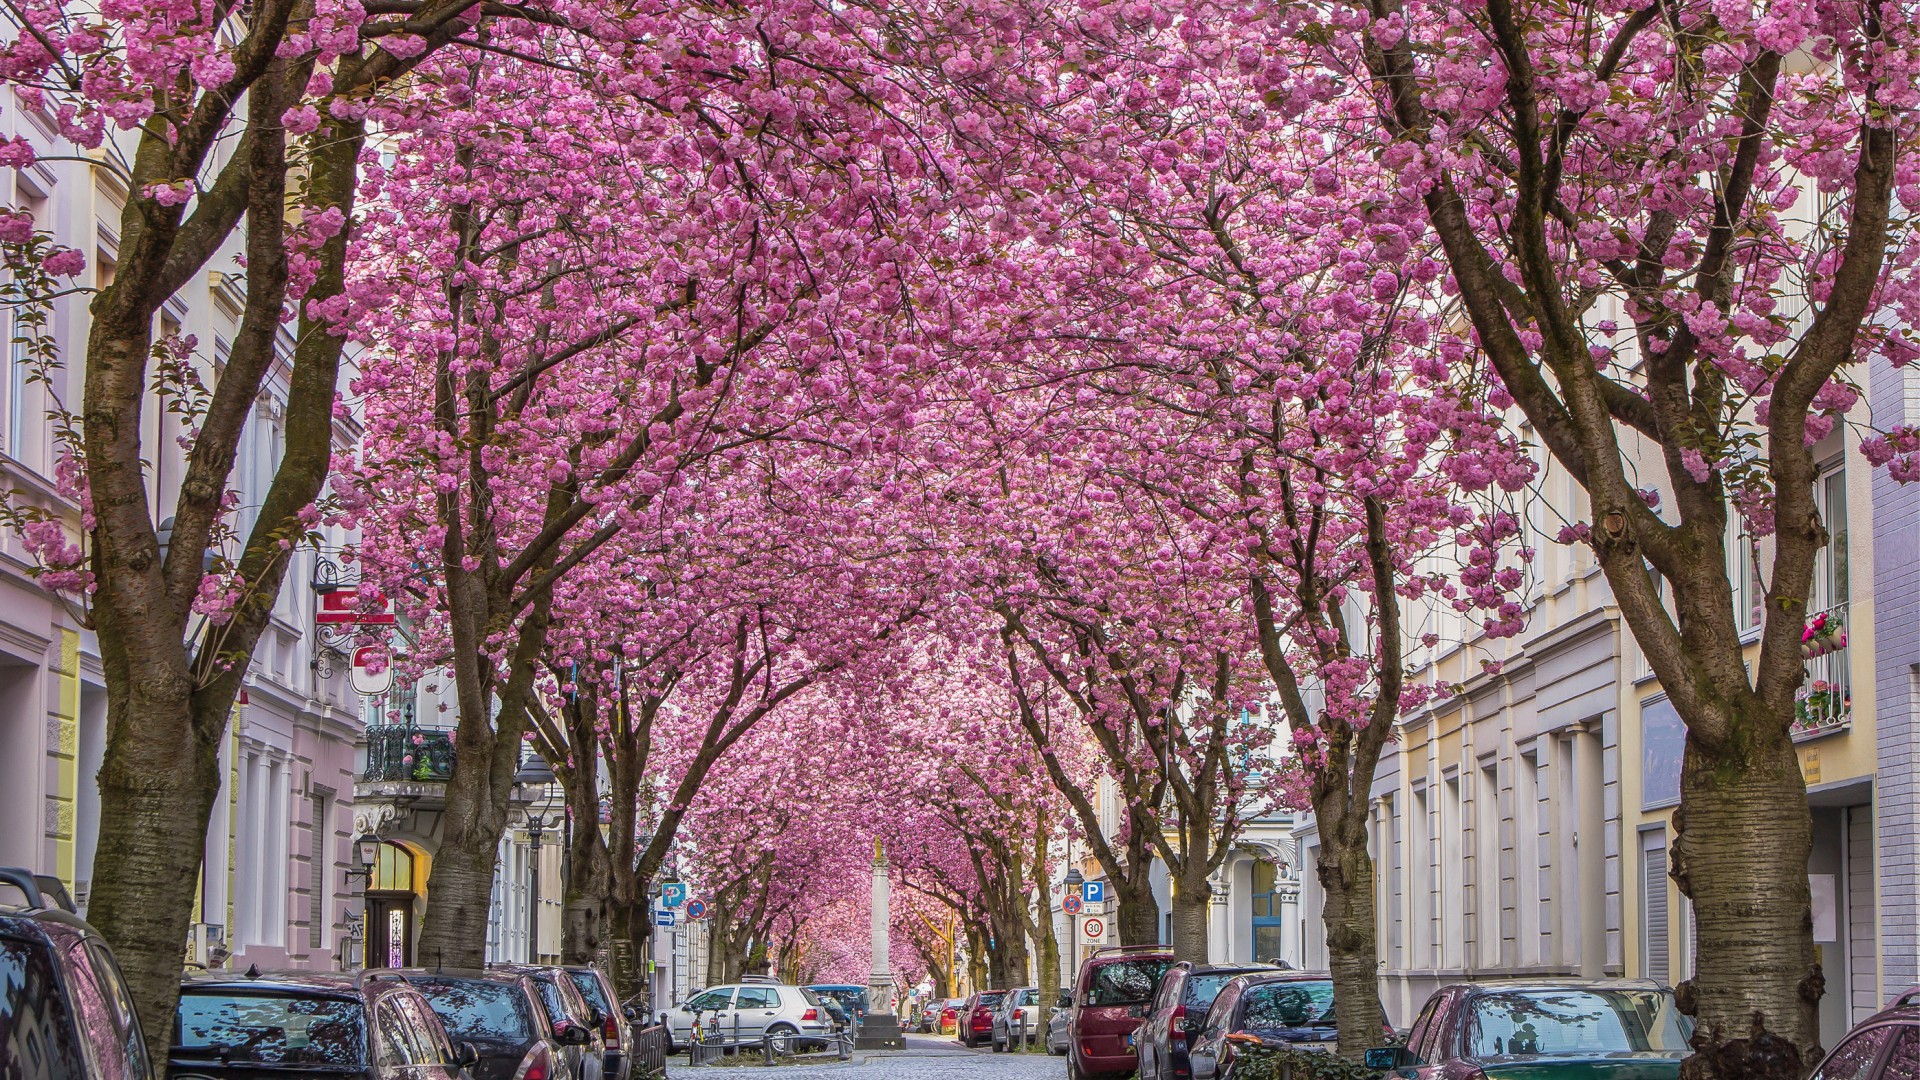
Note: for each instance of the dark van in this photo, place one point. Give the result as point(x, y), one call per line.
point(1110, 999)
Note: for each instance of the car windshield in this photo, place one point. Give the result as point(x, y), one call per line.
point(270, 1029)
point(34, 1021)
point(1028, 997)
point(1269, 1006)
point(851, 1000)
point(1203, 987)
point(1539, 1022)
point(990, 1000)
point(471, 1009)
point(1127, 982)
point(588, 984)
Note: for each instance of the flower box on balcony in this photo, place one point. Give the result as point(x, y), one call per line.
point(1803, 734)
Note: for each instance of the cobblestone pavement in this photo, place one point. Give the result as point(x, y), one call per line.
point(925, 1058)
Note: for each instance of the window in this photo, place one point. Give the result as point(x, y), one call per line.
point(1277, 1006)
point(1663, 747)
point(757, 997)
point(472, 1009)
point(1574, 1022)
point(1653, 922)
point(1268, 919)
point(393, 868)
point(35, 1026)
point(1904, 1062)
point(1743, 565)
point(709, 1001)
point(1855, 1057)
point(428, 1038)
point(1830, 564)
point(1486, 863)
point(272, 1029)
point(1126, 982)
point(320, 864)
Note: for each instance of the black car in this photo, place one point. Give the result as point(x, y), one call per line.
point(65, 1013)
point(1884, 1046)
point(1179, 1008)
point(375, 1026)
point(570, 1017)
point(500, 1013)
point(1292, 1009)
point(616, 1028)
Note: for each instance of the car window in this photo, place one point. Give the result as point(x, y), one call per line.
point(1573, 1022)
point(757, 997)
point(711, 1000)
point(1903, 1061)
point(576, 1005)
point(1201, 989)
point(990, 1000)
point(34, 1021)
point(398, 1043)
point(1029, 997)
point(270, 1029)
point(1417, 1039)
point(1126, 982)
point(1854, 1058)
point(429, 1035)
point(126, 1022)
point(590, 990)
point(471, 1009)
point(1064, 1001)
point(1220, 1016)
point(1273, 1006)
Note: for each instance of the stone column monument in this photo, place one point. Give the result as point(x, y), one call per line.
point(880, 1029)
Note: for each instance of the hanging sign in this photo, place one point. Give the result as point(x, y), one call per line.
point(343, 607)
point(372, 671)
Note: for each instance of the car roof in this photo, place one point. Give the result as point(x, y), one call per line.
point(834, 986)
point(318, 983)
point(1905, 1006)
point(1235, 969)
point(1536, 983)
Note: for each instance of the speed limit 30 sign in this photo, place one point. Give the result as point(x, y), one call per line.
point(1093, 929)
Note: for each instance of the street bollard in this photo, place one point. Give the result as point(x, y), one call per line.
point(1020, 1028)
point(846, 1045)
point(766, 1047)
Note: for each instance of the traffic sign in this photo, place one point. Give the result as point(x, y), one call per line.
point(665, 918)
point(696, 908)
point(673, 894)
point(1093, 892)
point(1093, 929)
point(1072, 905)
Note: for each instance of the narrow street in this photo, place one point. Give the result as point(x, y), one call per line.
point(926, 1057)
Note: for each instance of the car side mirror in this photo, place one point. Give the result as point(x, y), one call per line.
point(1391, 1057)
point(571, 1034)
point(466, 1055)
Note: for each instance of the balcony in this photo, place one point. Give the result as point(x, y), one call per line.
point(1825, 701)
point(407, 754)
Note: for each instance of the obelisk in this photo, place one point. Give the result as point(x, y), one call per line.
point(880, 1029)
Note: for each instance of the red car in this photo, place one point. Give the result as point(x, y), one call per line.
point(976, 1018)
point(1110, 999)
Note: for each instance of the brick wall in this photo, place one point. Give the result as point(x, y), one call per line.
point(1895, 397)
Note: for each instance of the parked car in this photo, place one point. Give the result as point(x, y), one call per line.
point(1060, 1024)
point(1288, 1009)
point(1582, 1028)
point(572, 1019)
point(374, 1026)
point(1884, 1046)
point(616, 1024)
point(851, 999)
point(1111, 993)
point(64, 1006)
point(950, 1015)
point(976, 1017)
point(1023, 1003)
point(1178, 1012)
point(792, 1014)
point(501, 1014)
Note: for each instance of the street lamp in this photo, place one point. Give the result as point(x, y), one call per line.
point(536, 783)
point(1075, 879)
point(367, 847)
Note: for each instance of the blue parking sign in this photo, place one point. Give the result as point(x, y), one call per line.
point(1094, 892)
point(673, 894)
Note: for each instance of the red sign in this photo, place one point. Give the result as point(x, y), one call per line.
point(343, 606)
point(1072, 905)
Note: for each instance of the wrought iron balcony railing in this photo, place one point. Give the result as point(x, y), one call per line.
point(408, 753)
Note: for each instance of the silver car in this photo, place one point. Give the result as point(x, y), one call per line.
point(740, 1013)
point(1018, 1009)
point(1060, 1025)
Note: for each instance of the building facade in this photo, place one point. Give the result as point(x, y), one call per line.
point(273, 888)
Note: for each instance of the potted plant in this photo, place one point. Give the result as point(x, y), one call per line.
point(1821, 704)
point(1824, 633)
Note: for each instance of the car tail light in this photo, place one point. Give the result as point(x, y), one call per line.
point(611, 1029)
point(1177, 1027)
point(537, 1066)
point(810, 1014)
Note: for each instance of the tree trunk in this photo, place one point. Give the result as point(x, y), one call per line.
point(1756, 959)
point(977, 937)
point(460, 890)
point(1138, 918)
point(1192, 905)
point(589, 886)
point(157, 788)
point(1346, 879)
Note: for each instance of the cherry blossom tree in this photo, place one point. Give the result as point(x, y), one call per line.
point(1672, 229)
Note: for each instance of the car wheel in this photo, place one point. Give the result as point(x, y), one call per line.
point(782, 1037)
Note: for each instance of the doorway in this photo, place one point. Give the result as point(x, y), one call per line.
point(389, 929)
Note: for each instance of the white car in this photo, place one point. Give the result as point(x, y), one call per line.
point(740, 1013)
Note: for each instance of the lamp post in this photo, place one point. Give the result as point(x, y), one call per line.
point(1075, 879)
point(537, 782)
